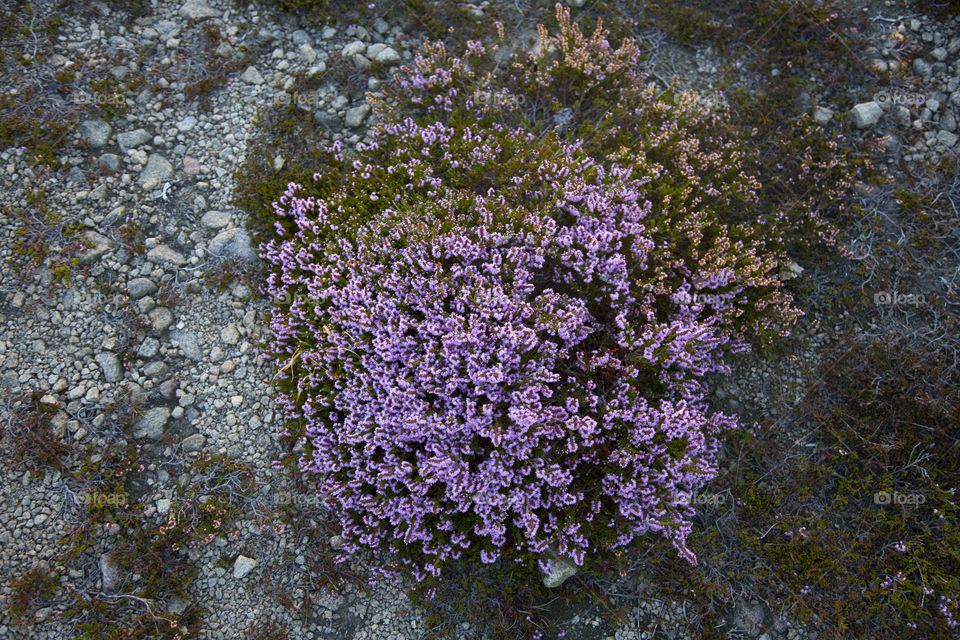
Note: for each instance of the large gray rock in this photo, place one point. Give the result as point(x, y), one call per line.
point(300, 37)
point(242, 566)
point(110, 364)
point(354, 116)
point(560, 571)
point(140, 287)
point(388, 56)
point(194, 442)
point(187, 342)
point(822, 115)
point(186, 124)
point(232, 244)
point(215, 219)
point(865, 114)
point(157, 170)
point(97, 246)
point(151, 424)
point(383, 53)
point(354, 48)
point(165, 255)
point(251, 76)
point(160, 318)
point(109, 572)
point(95, 133)
point(148, 348)
point(133, 139)
point(946, 138)
point(198, 10)
point(109, 162)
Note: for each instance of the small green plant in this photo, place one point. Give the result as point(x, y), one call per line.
point(43, 236)
point(29, 593)
point(151, 560)
point(35, 445)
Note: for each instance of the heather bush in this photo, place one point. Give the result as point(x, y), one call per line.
point(493, 323)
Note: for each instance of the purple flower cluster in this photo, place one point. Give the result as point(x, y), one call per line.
point(473, 374)
point(493, 345)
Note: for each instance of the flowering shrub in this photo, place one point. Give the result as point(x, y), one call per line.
point(493, 336)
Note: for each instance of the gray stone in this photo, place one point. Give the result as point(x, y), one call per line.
point(155, 369)
point(165, 255)
point(187, 342)
point(175, 605)
point(232, 244)
point(151, 424)
point(242, 566)
point(198, 10)
point(168, 388)
point(790, 270)
point(160, 318)
point(251, 76)
point(300, 37)
point(230, 335)
point(307, 53)
point(194, 442)
point(939, 54)
point(95, 133)
point(946, 138)
point(99, 245)
point(133, 139)
point(167, 28)
point(865, 114)
point(822, 115)
point(140, 287)
point(389, 55)
point(560, 571)
point(354, 116)
point(158, 169)
point(186, 124)
point(163, 506)
point(327, 120)
point(109, 162)
point(110, 364)
point(374, 49)
point(336, 542)
point(749, 617)
point(148, 348)
point(109, 572)
point(354, 48)
point(921, 67)
point(215, 219)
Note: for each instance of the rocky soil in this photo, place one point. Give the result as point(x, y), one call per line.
point(158, 313)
